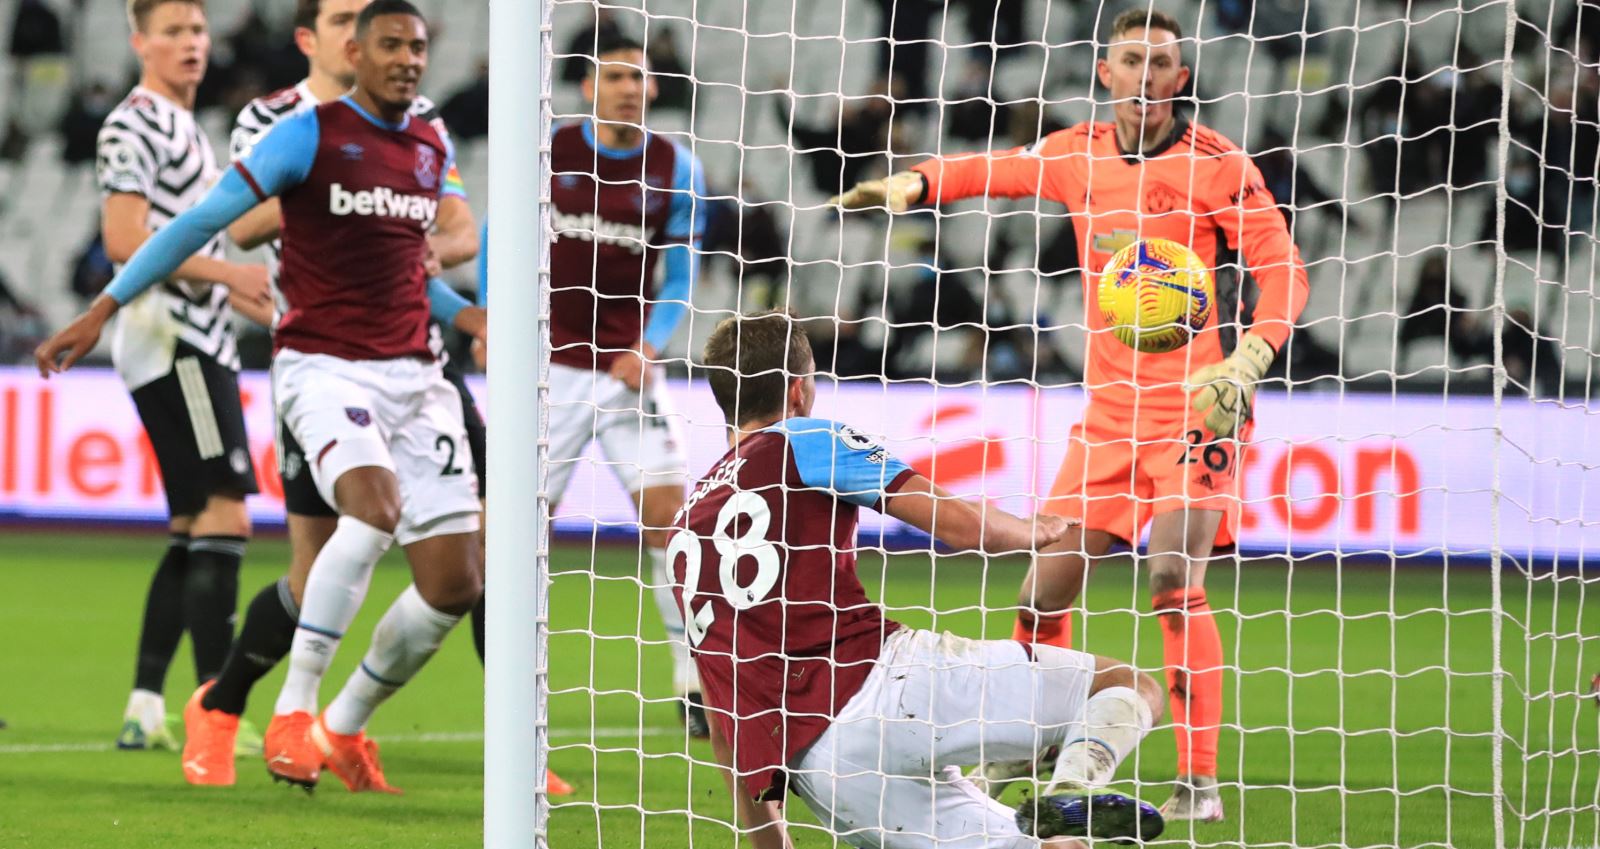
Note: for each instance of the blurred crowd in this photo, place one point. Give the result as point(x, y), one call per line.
point(1422, 128)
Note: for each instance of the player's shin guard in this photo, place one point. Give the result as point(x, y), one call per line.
point(334, 592)
point(269, 625)
point(407, 635)
point(1053, 629)
point(1194, 677)
point(685, 677)
point(210, 600)
point(1114, 721)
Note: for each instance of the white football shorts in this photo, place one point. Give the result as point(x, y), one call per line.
point(640, 435)
point(401, 415)
point(887, 773)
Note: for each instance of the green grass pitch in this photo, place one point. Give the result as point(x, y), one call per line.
point(1360, 713)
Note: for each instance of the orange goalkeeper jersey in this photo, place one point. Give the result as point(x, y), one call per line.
point(1194, 185)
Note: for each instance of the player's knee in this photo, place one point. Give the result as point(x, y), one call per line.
point(1170, 573)
point(1047, 597)
point(370, 494)
point(1112, 672)
point(224, 515)
point(382, 515)
point(455, 593)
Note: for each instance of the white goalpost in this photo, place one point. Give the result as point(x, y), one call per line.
point(1406, 649)
point(516, 744)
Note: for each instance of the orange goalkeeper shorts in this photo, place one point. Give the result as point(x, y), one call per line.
point(1118, 474)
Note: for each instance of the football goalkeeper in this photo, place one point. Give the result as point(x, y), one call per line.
point(1159, 443)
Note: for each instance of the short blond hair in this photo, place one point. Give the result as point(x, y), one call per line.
point(139, 10)
point(1144, 19)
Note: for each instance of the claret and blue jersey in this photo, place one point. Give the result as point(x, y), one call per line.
point(766, 566)
point(615, 212)
point(359, 195)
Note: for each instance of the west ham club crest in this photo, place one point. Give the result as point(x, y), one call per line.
point(427, 168)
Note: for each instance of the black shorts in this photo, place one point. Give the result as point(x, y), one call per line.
point(195, 422)
point(300, 495)
point(477, 432)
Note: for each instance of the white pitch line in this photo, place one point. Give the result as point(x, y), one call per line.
point(600, 733)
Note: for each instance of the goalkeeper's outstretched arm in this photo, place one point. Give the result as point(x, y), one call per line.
point(1015, 173)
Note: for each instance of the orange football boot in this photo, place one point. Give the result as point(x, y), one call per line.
point(352, 757)
point(208, 742)
point(290, 754)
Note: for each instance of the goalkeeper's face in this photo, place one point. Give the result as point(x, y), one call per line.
point(1144, 70)
point(619, 88)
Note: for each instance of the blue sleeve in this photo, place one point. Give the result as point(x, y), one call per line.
point(444, 301)
point(687, 222)
point(283, 157)
point(685, 225)
point(837, 457)
point(672, 302)
point(167, 248)
point(483, 266)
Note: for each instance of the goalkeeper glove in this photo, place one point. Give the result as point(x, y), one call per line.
point(1224, 391)
point(897, 191)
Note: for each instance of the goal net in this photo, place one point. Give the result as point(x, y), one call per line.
point(1406, 655)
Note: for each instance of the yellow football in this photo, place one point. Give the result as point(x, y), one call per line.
point(1155, 294)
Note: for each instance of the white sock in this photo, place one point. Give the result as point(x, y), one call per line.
point(407, 635)
point(148, 708)
point(685, 676)
point(334, 592)
point(1114, 721)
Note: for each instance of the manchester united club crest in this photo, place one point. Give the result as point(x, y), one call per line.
point(361, 417)
point(427, 168)
point(1159, 199)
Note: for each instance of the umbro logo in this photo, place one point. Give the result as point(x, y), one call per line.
point(353, 151)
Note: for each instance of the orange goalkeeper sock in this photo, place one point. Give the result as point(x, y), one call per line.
point(1053, 629)
point(1194, 677)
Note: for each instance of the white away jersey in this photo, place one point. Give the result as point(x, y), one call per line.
point(261, 114)
point(152, 147)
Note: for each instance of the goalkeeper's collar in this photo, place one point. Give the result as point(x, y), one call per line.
point(1180, 128)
